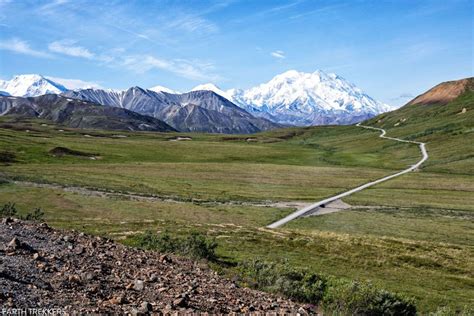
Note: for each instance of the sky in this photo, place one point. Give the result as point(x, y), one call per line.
point(393, 50)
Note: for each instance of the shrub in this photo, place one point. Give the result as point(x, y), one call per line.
point(36, 215)
point(195, 245)
point(283, 279)
point(7, 156)
point(356, 298)
point(8, 210)
point(336, 296)
point(161, 242)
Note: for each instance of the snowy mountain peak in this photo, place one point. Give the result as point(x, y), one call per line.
point(212, 87)
point(163, 89)
point(31, 85)
point(206, 86)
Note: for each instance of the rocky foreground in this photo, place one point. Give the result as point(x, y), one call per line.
point(41, 267)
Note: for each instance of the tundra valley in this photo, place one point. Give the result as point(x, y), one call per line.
point(301, 195)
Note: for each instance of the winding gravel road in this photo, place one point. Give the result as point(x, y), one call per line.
point(310, 208)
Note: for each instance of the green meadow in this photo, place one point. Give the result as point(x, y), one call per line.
point(412, 235)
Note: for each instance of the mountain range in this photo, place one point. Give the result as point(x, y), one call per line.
point(195, 111)
point(291, 98)
point(79, 114)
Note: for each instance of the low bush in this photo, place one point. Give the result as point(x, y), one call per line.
point(9, 210)
point(300, 285)
point(7, 156)
point(36, 215)
point(195, 245)
point(336, 296)
point(357, 298)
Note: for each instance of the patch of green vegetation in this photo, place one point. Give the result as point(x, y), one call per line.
point(195, 245)
point(335, 296)
point(9, 210)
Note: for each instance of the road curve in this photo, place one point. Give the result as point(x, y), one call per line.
point(311, 207)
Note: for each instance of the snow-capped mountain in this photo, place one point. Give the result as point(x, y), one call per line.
point(212, 87)
point(30, 86)
point(163, 89)
point(299, 98)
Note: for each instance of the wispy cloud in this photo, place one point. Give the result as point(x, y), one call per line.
point(403, 97)
point(122, 29)
point(75, 83)
point(22, 47)
point(284, 6)
point(190, 69)
point(69, 48)
point(193, 24)
point(279, 54)
point(51, 6)
point(320, 10)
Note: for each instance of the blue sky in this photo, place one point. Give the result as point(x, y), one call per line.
point(393, 50)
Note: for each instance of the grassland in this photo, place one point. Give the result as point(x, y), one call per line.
point(411, 235)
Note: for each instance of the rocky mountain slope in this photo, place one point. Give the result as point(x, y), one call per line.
point(444, 92)
point(79, 114)
point(196, 111)
point(85, 274)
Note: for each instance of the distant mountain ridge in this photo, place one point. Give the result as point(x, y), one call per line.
point(196, 111)
point(79, 114)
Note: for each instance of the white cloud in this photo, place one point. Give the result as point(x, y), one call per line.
point(195, 70)
point(74, 84)
point(22, 47)
point(278, 54)
point(68, 47)
point(51, 6)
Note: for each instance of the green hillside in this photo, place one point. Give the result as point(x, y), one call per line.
point(446, 125)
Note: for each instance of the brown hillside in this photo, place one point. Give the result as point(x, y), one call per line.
point(444, 92)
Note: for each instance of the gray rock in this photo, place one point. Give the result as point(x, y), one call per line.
point(138, 285)
point(145, 307)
